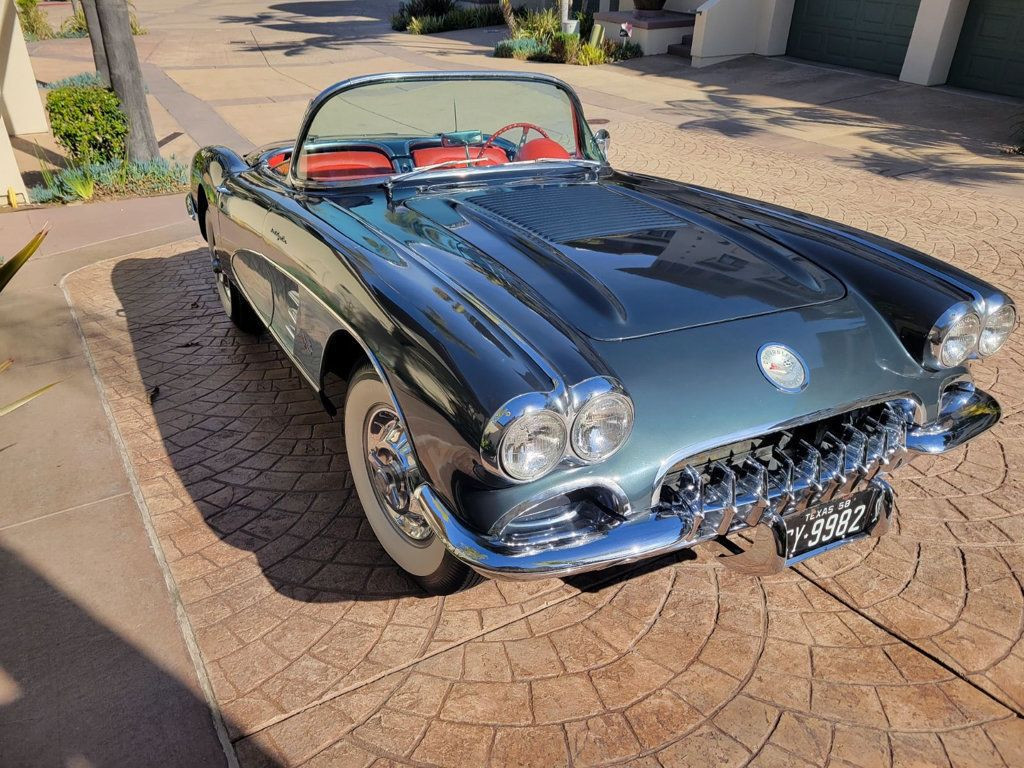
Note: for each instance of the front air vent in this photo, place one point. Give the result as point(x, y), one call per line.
point(570, 212)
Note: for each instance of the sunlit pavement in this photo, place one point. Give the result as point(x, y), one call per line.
point(902, 651)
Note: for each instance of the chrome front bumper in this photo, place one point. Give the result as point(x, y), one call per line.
point(964, 413)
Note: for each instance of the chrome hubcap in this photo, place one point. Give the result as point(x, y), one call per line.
point(392, 472)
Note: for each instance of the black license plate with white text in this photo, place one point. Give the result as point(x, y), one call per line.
point(829, 523)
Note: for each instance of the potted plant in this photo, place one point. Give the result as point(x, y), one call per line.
point(644, 8)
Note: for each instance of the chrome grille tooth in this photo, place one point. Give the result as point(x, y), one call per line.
point(737, 486)
point(783, 479)
point(812, 458)
point(755, 485)
point(856, 442)
point(726, 493)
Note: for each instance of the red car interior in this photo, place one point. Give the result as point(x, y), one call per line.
point(433, 155)
point(343, 164)
point(536, 149)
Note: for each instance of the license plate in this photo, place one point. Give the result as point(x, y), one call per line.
point(830, 523)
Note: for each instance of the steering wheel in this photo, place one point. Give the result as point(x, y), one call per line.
point(527, 127)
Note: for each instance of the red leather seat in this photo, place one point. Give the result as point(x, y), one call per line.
point(535, 149)
point(343, 164)
point(434, 155)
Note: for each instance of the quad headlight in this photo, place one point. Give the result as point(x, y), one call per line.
point(532, 445)
point(601, 426)
point(532, 433)
point(959, 340)
point(996, 329)
point(965, 331)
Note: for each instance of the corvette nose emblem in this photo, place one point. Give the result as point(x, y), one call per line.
point(782, 367)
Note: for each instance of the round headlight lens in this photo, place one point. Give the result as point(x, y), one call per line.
point(532, 445)
point(602, 426)
point(960, 340)
point(997, 329)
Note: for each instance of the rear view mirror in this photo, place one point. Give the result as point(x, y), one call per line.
point(604, 141)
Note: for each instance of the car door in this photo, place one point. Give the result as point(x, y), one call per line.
point(302, 261)
point(241, 235)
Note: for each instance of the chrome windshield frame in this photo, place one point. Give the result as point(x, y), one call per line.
point(580, 124)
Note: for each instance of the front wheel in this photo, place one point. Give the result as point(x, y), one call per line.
point(383, 471)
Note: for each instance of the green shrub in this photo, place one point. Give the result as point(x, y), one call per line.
point(623, 51)
point(460, 18)
point(586, 20)
point(88, 122)
point(591, 54)
point(541, 25)
point(113, 179)
point(81, 79)
point(34, 24)
point(75, 26)
point(521, 48)
point(418, 9)
point(79, 182)
point(565, 48)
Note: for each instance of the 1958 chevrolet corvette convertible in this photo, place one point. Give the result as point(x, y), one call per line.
point(552, 366)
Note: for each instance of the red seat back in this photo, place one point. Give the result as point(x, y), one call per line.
point(342, 164)
point(535, 149)
point(434, 155)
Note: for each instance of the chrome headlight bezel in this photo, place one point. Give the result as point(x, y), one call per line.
point(597, 393)
point(994, 307)
point(564, 406)
point(956, 315)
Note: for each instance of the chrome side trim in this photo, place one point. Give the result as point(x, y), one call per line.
point(964, 413)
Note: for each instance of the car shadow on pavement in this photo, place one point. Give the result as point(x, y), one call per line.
point(75, 693)
point(243, 458)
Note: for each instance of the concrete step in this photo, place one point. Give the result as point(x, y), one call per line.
point(680, 49)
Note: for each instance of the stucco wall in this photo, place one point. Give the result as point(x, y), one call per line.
point(729, 28)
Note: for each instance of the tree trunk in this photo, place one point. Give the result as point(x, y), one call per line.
point(99, 55)
point(126, 78)
point(510, 17)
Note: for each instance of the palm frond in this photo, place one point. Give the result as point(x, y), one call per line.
point(4, 410)
point(10, 267)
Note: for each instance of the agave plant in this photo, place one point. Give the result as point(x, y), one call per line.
point(7, 271)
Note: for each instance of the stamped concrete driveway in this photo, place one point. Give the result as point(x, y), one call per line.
point(902, 651)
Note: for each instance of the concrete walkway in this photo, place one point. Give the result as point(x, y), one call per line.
point(94, 670)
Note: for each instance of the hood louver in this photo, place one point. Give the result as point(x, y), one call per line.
point(576, 212)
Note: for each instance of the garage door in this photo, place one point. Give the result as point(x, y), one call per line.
point(866, 34)
point(990, 54)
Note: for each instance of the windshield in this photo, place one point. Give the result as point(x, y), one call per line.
point(399, 125)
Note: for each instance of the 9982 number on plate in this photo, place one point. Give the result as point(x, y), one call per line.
point(829, 522)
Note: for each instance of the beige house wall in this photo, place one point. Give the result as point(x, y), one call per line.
point(726, 29)
point(21, 109)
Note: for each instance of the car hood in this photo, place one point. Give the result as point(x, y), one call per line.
point(617, 264)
